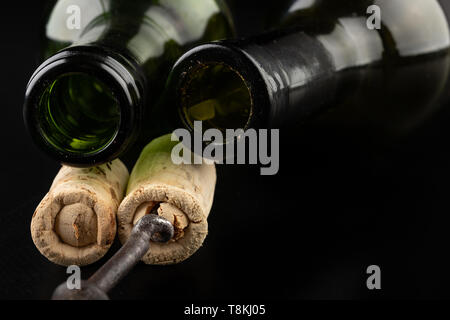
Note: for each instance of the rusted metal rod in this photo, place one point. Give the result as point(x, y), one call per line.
point(149, 228)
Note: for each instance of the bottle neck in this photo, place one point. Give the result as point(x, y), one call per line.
point(292, 74)
point(83, 104)
point(298, 72)
point(253, 83)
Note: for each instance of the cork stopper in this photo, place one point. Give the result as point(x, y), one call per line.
point(76, 225)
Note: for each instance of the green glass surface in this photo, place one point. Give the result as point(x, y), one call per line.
point(79, 114)
point(152, 34)
point(384, 68)
point(324, 58)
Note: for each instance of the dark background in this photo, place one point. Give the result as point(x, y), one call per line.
point(308, 233)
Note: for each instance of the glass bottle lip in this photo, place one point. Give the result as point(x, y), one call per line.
point(111, 69)
point(225, 53)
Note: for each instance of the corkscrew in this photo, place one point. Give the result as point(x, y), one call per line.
point(149, 228)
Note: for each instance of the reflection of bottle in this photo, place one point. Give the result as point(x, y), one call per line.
point(325, 56)
point(85, 104)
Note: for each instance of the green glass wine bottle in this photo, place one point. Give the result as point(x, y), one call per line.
point(386, 61)
point(106, 63)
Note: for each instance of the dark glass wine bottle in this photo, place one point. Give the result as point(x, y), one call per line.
point(387, 61)
point(106, 63)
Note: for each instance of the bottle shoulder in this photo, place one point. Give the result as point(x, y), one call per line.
point(404, 27)
point(145, 26)
point(67, 19)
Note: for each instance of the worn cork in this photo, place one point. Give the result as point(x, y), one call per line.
point(183, 194)
point(75, 223)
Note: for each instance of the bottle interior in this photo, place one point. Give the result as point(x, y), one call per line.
point(80, 114)
point(218, 96)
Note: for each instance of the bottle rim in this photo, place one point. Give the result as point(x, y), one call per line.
point(112, 70)
point(223, 53)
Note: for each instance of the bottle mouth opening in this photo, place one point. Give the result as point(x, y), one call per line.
point(79, 114)
point(217, 95)
point(84, 104)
